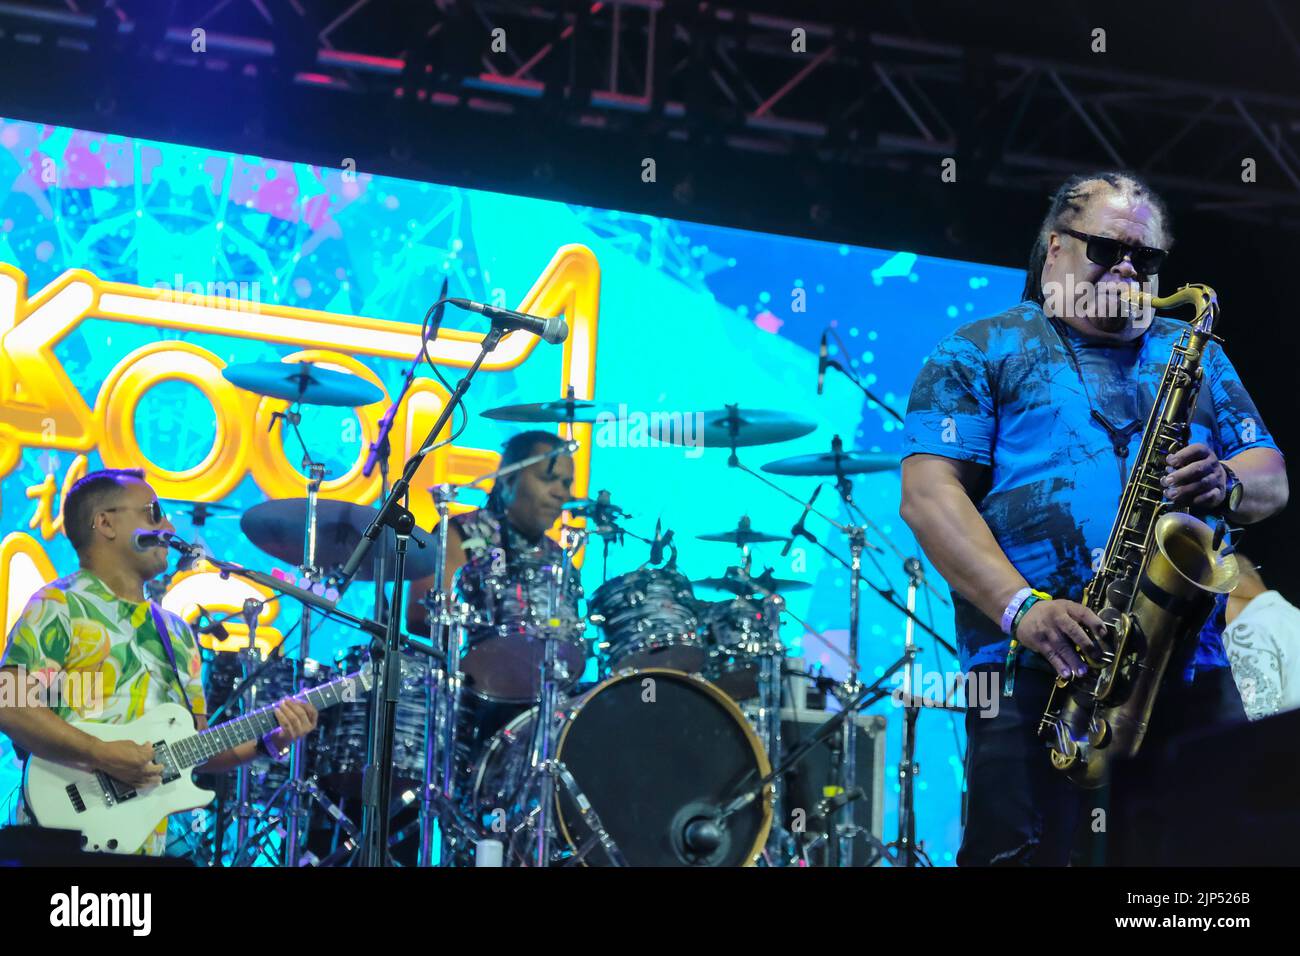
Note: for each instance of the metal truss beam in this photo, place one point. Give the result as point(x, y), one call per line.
point(782, 84)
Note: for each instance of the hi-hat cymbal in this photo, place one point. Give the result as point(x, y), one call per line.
point(742, 534)
point(594, 507)
point(734, 427)
point(743, 585)
point(570, 410)
point(279, 528)
point(303, 382)
point(834, 464)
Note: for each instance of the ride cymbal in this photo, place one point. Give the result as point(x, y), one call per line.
point(303, 382)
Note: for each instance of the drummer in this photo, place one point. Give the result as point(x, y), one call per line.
point(520, 510)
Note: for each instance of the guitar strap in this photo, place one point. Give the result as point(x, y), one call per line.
point(160, 623)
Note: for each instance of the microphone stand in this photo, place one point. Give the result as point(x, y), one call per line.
point(380, 448)
point(886, 593)
point(831, 363)
point(906, 848)
point(377, 780)
point(864, 697)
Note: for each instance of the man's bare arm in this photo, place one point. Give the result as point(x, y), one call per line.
point(937, 506)
point(42, 732)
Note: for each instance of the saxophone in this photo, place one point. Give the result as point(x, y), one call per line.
point(1156, 583)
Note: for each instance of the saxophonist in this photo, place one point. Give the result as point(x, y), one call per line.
point(1020, 431)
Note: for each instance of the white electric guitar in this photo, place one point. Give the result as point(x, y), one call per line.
point(115, 818)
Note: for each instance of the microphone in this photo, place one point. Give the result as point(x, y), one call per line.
point(702, 836)
point(553, 329)
point(821, 364)
point(657, 548)
point(143, 540)
point(798, 529)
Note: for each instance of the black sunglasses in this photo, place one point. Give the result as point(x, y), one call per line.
point(1107, 253)
point(153, 508)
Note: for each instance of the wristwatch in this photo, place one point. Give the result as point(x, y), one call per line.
point(1233, 491)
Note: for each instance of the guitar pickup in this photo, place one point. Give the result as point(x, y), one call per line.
point(162, 756)
point(75, 796)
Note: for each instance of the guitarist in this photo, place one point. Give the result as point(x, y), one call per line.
point(94, 629)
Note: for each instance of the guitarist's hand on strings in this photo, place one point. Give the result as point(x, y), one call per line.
point(297, 719)
point(129, 762)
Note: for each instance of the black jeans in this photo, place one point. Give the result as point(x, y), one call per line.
point(1019, 811)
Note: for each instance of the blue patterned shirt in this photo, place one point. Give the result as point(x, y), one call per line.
point(1008, 392)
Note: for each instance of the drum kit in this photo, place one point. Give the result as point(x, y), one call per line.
point(500, 753)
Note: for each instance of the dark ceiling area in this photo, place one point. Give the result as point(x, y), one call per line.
point(830, 120)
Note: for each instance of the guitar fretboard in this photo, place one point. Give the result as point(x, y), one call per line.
point(203, 746)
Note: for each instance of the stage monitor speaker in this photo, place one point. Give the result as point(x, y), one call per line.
point(1226, 797)
point(806, 782)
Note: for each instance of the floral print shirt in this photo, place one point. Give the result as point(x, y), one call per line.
point(100, 658)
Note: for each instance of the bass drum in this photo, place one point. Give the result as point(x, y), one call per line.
point(652, 750)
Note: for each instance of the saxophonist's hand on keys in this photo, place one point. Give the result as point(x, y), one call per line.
point(1194, 477)
point(1059, 630)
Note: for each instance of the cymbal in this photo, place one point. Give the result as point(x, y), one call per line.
point(738, 583)
point(741, 428)
point(279, 528)
point(303, 382)
point(833, 464)
point(198, 511)
point(742, 534)
point(559, 410)
point(590, 507)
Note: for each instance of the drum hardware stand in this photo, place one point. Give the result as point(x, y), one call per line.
point(297, 785)
point(438, 804)
point(841, 846)
point(779, 839)
point(548, 773)
point(443, 685)
point(906, 850)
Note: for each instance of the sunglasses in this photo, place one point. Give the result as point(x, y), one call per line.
point(153, 509)
point(1110, 252)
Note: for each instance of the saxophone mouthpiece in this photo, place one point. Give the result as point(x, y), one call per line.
point(1136, 298)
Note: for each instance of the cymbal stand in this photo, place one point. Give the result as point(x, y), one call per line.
point(299, 790)
point(443, 685)
point(243, 782)
point(779, 840)
point(906, 852)
point(548, 773)
point(846, 829)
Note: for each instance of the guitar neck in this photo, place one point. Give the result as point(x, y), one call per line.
point(202, 747)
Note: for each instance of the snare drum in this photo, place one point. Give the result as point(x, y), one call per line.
point(739, 633)
point(652, 751)
point(511, 604)
point(344, 759)
point(648, 619)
